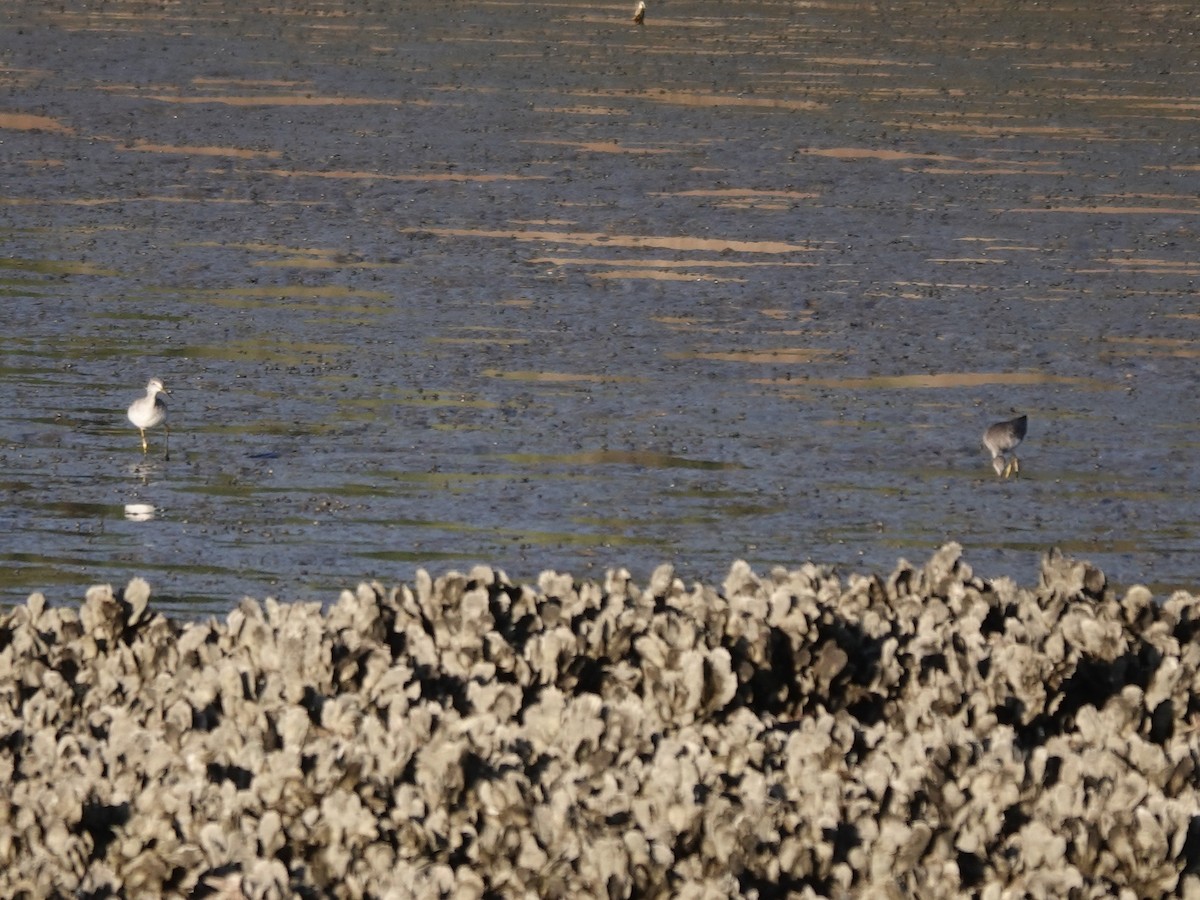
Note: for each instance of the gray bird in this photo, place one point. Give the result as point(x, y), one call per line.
point(1003, 438)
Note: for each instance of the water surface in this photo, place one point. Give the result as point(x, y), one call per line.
point(528, 285)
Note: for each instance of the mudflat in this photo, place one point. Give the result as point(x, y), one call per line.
point(534, 286)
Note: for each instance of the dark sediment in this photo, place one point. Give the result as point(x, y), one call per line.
point(931, 733)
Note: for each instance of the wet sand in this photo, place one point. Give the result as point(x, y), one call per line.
point(929, 733)
point(529, 285)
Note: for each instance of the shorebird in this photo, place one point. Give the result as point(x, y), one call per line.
point(1003, 438)
point(639, 14)
point(146, 412)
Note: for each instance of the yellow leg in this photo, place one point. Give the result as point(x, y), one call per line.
point(145, 446)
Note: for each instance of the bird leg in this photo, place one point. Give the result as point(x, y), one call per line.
point(145, 446)
point(166, 440)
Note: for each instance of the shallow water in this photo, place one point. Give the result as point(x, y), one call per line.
point(532, 286)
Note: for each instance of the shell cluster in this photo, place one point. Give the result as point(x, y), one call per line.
point(927, 733)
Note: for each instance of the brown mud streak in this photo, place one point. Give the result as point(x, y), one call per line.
point(31, 122)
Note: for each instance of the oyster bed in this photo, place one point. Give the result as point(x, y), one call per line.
point(930, 732)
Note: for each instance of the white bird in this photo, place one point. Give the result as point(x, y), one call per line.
point(639, 14)
point(1002, 438)
point(149, 411)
